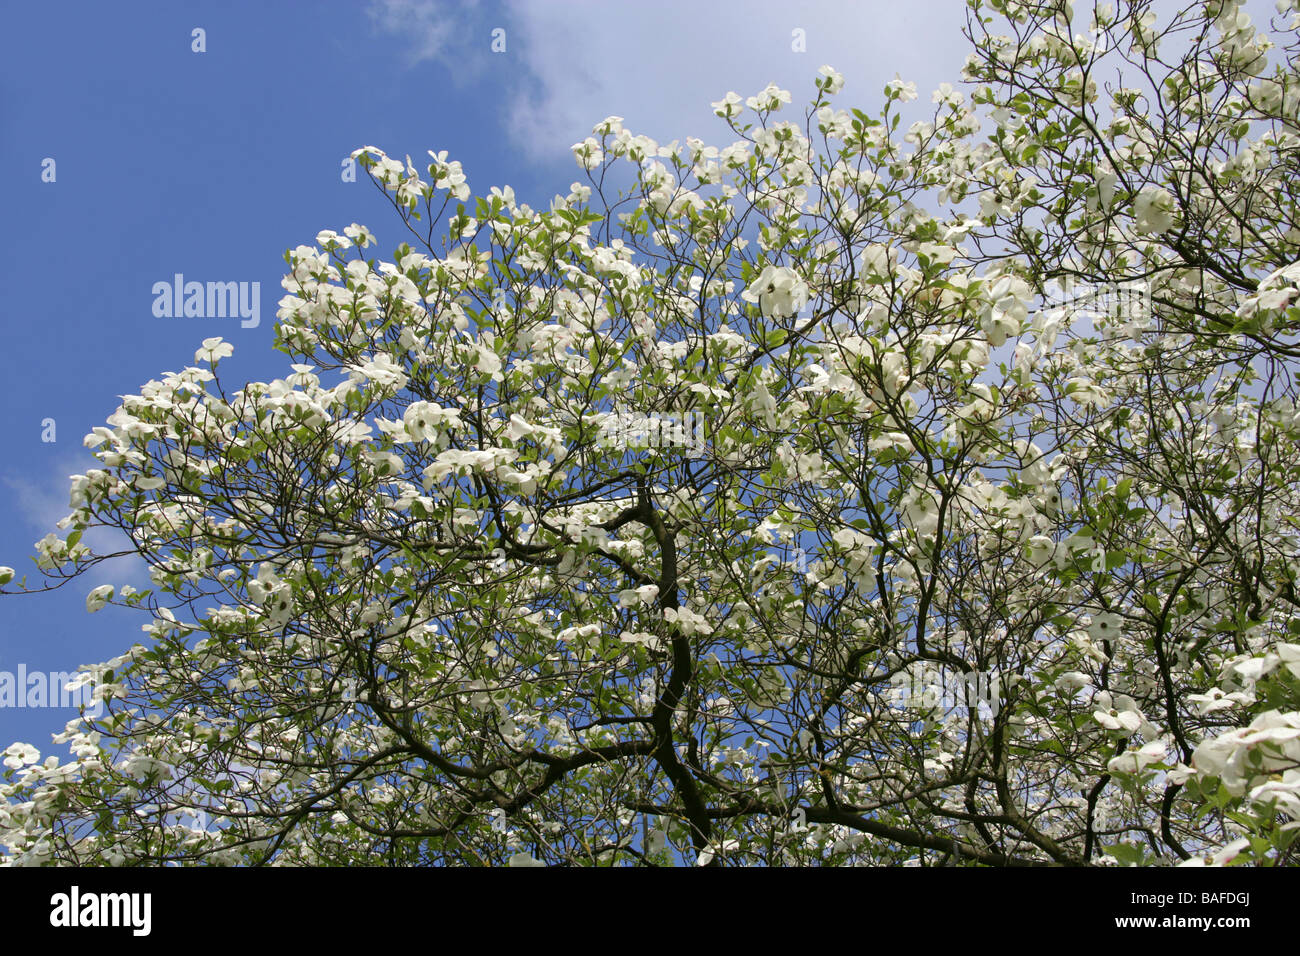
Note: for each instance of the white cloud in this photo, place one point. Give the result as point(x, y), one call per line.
point(44, 503)
point(660, 65)
point(431, 30)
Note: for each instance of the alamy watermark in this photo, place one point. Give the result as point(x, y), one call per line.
point(77, 908)
point(1120, 301)
point(50, 689)
point(211, 300)
point(938, 688)
point(632, 430)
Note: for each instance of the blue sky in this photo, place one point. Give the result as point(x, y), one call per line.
point(211, 164)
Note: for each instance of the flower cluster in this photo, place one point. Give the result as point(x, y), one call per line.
point(409, 585)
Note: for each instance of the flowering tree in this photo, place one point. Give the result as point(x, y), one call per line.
point(985, 554)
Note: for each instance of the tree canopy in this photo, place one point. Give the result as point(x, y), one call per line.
point(861, 491)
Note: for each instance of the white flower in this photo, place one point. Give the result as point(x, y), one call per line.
point(360, 235)
point(1072, 681)
point(687, 621)
point(858, 558)
point(1283, 793)
point(487, 361)
point(1217, 700)
point(709, 852)
point(1135, 761)
point(523, 859)
point(518, 428)
point(772, 98)
point(329, 239)
point(6, 575)
point(214, 350)
point(946, 94)
point(1249, 669)
point(1288, 654)
point(1106, 188)
point(778, 291)
point(1124, 721)
point(897, 87)
point(1153, 210)
point(588, 153)
point(143, 767)
point(20, 755)
point(1244, 757)
point(1220, 857)
point(879, 260)
point(1086, 393)
point(1007, 311)
point(1041, 549)
point(383, 371)
point(448, 175)
point(642, 595)
point(728, 106)
point(920, 510)
point(423, 419)
point(981, 408)
point(578, 633)
point(99, 597)
point(644, 638)
point(1276, 293)
point(1104, 626)
point(833, 82)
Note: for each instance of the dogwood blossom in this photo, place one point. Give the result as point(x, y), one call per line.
point(413, 585)
point(99, 597)
point(1154, 210)
point(214, 349)
point(778, 291)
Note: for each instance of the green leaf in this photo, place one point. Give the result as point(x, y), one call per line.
point(1126, 853)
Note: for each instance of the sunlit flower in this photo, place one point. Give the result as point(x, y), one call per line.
point(19, 755)
point(772, 98)
point(832, 81)
point(214, 350)
point(1105, 626)
point(900, 89)
point(360, 235)
point(687, 621)
point(99, 597)
point(1135, 761)
point(1125, 721)
point(1041, 549)
point(1072, 681)
point(778, 291)
point(1221, 857)
point(1153, 210)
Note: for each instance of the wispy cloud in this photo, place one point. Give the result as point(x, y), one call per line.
point(43, 502)
point(660, 65)
point(431, 30)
